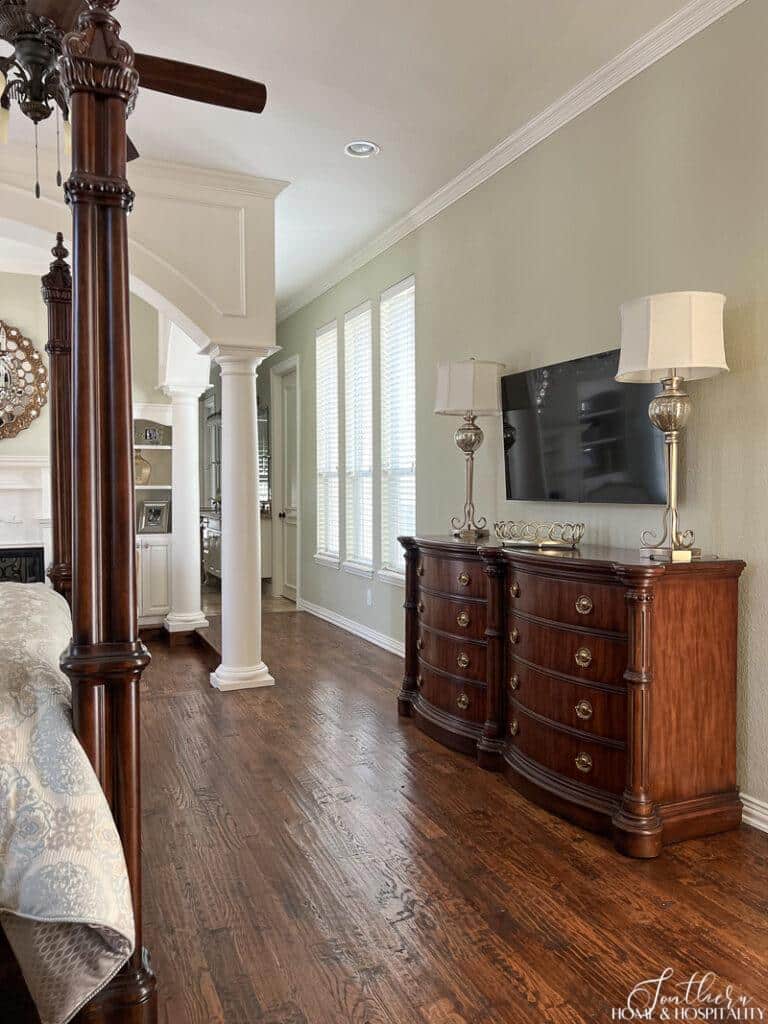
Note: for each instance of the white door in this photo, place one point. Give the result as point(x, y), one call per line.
point(288, 480)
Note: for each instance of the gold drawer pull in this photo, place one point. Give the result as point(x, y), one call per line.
point(583, 710)
point(514, 727)
point(584, 604)
point(420, 644)
point(420, 569)
point(463, 660)
point(583, 657)
point(462, 619)
point(514, 636)
point(584, 762)
point(464, 579)
point(514, 682)
point(462, 702)
point(419, 682)
point(420, 607)
point(514, 590)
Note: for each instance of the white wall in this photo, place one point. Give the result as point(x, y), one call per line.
point(661, 186)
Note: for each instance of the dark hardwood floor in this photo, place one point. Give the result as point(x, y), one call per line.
point(311, 860)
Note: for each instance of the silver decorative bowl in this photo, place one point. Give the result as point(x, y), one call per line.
point(539, 535)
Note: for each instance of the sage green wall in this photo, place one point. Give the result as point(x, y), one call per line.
point(662, 186)
point(144, 336)
point(21, 305)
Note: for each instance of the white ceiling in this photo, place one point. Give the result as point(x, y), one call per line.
point(436, 83)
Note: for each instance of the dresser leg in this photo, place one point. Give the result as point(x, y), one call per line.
point(404, 706)
point(489, 754)
point(636, 836)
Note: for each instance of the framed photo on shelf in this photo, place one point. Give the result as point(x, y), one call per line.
point(154, 516)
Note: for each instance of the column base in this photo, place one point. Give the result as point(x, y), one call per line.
point(256, 676)
point(185, 622)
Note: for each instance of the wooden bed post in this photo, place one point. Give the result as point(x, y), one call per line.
point(57, 295)
point(105, 659)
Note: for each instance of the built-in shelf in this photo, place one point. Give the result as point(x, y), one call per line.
point(153, 447)
point(153, 487)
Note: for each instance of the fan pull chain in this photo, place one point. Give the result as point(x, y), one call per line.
point(58, 149)
point(37, 164)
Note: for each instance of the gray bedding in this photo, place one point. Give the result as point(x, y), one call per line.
point(64, 896)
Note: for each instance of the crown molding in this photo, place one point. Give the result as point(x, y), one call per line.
point(155, 175)
point(661, 40)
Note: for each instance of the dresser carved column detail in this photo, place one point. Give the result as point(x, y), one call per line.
point(490, 744)
point(636, 824)
point(409, 687)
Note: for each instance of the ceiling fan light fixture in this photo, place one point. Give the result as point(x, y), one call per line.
point(361, 149)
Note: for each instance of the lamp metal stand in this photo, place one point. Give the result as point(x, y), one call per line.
point(468, 438)
point(670, 411)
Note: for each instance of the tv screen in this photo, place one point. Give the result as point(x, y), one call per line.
point(573, 433)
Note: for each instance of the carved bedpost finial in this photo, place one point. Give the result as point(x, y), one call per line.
point(57, 283)
point(58, 251)
point(96, 59)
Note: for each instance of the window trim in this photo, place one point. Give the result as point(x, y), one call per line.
point(332, 559)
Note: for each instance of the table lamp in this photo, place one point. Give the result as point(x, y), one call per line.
point(469, 389)
point(672, 337)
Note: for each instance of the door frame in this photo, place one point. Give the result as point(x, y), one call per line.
point(276, 373)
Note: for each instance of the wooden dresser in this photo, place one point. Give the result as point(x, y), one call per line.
point(602, 684)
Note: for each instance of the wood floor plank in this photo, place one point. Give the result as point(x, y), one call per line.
point(310, 859)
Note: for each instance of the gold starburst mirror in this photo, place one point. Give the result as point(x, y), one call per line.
point(23, 382)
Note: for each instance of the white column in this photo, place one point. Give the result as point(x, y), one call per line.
point(186, 614)
point(241, 663)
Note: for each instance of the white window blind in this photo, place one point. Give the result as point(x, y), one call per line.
point(327, 431)
point(358, 384)
point(398, 421)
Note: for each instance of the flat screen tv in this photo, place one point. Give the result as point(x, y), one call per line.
point(573, 433)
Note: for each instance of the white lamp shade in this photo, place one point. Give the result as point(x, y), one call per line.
point(469, 386)
point(675, 333)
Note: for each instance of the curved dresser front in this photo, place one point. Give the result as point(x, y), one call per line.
point(601, 683)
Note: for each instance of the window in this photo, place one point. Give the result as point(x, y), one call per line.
point(398, 421)
point(358, 386)
point(327, 418)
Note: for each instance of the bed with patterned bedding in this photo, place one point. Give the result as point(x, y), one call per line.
point(65, 902)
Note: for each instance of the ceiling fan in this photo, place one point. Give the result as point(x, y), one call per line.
point(36, 28)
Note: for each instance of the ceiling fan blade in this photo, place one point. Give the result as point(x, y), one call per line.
point(195, 83)
point(133, 153)
point(63, 12)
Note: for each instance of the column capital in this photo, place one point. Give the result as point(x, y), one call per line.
point(238, 359)
point(185, 392)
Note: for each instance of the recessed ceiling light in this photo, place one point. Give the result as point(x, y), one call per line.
point(361, 149)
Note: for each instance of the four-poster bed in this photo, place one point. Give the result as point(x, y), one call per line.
point(92, 474)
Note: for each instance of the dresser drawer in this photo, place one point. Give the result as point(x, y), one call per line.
point(574, 757)
point(466, 701)
point(463, 577)
point(567, 650)
point(574, 704)
point(587, 605)
point(460, 658)
point(453, 615)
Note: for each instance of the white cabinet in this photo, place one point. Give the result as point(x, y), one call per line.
point(153, 572)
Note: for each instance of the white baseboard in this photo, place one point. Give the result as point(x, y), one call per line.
point(755, 812)
point(356, 628)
